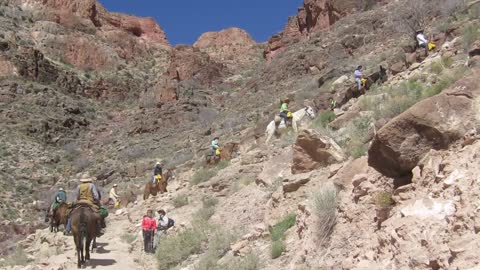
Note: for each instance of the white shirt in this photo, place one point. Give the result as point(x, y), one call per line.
point(163, 221)
point(421, 39)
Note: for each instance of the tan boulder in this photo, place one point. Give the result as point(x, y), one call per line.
point(312, 151)
point(434, 123)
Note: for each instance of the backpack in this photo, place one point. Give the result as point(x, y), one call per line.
point(171, 223)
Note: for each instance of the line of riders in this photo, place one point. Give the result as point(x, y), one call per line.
point(87, 194)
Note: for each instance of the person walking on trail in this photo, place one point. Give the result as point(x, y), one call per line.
point(149, 225)
point(60, 197)
point(284, 111)
point(164, 223)
point(359, 77)
point(113, 196)
point(215, 147)
point(157, 173)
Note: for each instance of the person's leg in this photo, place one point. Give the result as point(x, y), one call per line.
point(359, 84)
point(68, 228)
point(145, 243)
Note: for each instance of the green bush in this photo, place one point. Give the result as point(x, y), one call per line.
point(177, 248)
point(208, 201)
point(278, 247)
point(327, 117)
point(180, 200)
point(383, 199)
point(278, 230)
point(278, 234)
point(325, 206)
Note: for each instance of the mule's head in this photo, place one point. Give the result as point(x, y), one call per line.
point(310, 112)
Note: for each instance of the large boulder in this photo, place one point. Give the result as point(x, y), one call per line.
point(434, 123)
point(312, 151)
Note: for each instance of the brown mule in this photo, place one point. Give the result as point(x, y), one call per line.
point(154, 189)
point(84, 230)
point(60, 216)
point(226, 153)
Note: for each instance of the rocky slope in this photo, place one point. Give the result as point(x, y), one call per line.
point(84, 90)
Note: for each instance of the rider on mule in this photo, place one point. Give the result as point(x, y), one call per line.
point(87, 194)
point(157, 173)
point(215, 147)
point(284, 111)
point(113, 196)
point(60, 196)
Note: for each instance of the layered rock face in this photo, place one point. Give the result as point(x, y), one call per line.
point(312, 17)
point(232, 46)
point(188, 62)
point(91, 10)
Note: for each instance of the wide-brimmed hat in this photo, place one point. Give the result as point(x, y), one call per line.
point(418, 30)
point(286, 100)
point(61, 189)
point(115, 185)
point(86, 180)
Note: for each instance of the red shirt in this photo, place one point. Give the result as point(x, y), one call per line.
point(148, 223)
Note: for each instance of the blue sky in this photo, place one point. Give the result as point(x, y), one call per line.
point(184, 21)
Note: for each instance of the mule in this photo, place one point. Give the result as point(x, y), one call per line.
point(59, 217)
point(84, 230)
point(154, 189)
point(297, 117)
point(227, 152)
point(124, 200)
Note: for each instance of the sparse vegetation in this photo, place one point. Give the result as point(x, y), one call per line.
point(278, 235)
point(471, 33)
point(383, 200)
point(19, 258)
point(205, 174)
point(180, 200)
point(325, 206)
point(249, 262)
point(326, 117)
point(176, 248)
point(128, 237)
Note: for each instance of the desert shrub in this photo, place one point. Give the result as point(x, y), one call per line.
point(355, 144)
point(218, 246)
point(128, 237)
point(436, 67)
point(17, 258)
point(278, 230)
point(249, 262)
point(203, 175)
point(413, 15)
point(470, 34)
point(447, 62)
point(208, 201)
point(206, 174)
point(246, 180)
point(180, 200)
point(325, 207)
point(383, 199)
point(177, 248)
point(277, 233)
point(278, 247)
point(326, 117)
point(474, 12)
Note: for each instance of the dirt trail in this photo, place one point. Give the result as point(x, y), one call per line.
point(112, 253)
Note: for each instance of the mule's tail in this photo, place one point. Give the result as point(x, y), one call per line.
point(83, 229)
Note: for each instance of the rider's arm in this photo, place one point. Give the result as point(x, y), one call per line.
point(96, 196)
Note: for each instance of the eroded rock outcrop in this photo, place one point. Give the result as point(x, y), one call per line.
point(434, 123)
point(232, 46)
point(312, 151)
